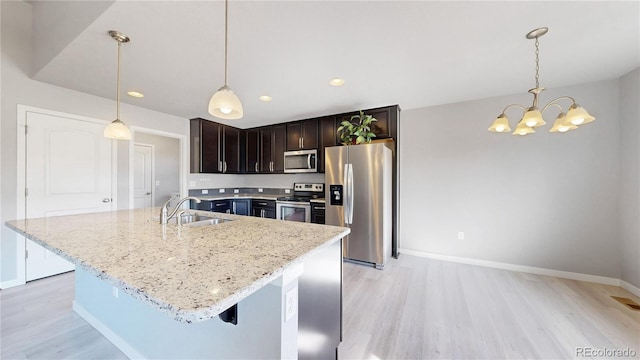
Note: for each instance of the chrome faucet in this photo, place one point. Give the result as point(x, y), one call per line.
point(164, 212)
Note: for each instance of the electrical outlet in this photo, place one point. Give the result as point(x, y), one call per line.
point(287, 191)
point(236, 191)
point(205, 191)
point(291, 304)
point(221, 191)
point(460, 235)
point(115, 292)
point(260, 190)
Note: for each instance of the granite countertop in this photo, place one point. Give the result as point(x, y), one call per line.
point(190, 273)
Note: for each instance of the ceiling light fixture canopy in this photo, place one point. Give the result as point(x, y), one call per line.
point(532, 118)
point(117, 129)
point(224, 104)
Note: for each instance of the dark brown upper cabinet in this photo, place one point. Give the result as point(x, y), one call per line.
point(386, 126)
point(215, 148)
point(272, 146)
point(252, 155)
point(327, 137)
point(205, 146)
point(230, 157)
point(218, 148)
point(302, 135)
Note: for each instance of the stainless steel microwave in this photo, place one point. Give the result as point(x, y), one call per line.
point(301, 161)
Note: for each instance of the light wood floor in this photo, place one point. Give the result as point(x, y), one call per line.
point(423, 309)
point(414, 309)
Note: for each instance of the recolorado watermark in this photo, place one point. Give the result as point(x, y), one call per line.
point(590, 352)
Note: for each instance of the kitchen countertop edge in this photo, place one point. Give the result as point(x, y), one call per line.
point(188, 316)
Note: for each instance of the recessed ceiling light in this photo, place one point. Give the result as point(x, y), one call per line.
point(135, 94)
point(265, 98)
point(336, 82)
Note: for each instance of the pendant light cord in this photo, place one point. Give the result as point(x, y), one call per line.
point(118, 84)
point(226, 13)
point(537, 63)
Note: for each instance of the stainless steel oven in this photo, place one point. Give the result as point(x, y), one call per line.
point(298, 206)
point(293, 211)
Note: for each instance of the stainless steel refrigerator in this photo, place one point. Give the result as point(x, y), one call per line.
point(358, 195)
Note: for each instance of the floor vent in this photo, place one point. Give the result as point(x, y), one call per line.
point(628, 303)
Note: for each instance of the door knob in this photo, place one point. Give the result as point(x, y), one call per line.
point(148, 193)
point(106, 200)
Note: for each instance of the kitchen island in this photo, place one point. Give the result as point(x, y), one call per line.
point(157, 290)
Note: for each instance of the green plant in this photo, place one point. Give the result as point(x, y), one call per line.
point(357, 130)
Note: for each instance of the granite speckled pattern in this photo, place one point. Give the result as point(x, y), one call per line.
point(191, 274)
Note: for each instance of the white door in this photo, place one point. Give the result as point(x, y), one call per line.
point(142, 175)
point(68, 171)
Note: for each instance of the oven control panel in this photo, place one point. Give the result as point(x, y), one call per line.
point(315, 188)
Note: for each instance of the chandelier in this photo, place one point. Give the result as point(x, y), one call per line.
point(532, 118)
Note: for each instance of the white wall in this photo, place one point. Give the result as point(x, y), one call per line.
point(546, 200)
point(18, 88)
point(630, 176)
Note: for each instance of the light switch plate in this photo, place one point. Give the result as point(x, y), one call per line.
point(291, 304)
point(260, 190)
point(221, 191)
point(236, 191)
point(287, 191)
point(205, 191)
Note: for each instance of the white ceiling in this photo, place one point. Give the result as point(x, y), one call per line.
point(413, 53)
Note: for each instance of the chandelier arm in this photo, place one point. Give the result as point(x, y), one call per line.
point(554, 102)
point(514, 105)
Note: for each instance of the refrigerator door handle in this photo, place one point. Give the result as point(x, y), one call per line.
point(345, 195)
point(351, 194)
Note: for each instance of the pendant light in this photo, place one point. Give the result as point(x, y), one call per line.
point(117, 129)
point(224, 104)
point(575, 116)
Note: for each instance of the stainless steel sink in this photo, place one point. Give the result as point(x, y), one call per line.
point(188, 218)
point(206, 222)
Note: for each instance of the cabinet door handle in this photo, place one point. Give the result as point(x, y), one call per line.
point(234, 207)
point(224, 169)
point(262, 213)
point(319, 208)
point(220, 166)
point(262, 203)
point(302, 142)
point(256, 166)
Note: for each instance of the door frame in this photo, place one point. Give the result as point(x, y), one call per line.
point(21, 172)
point(184, 158)
point(153, 171)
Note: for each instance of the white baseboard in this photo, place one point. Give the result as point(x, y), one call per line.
point(11, 283)
point(630, 288)
point(521, 268)
point(116, 340)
